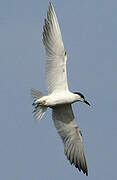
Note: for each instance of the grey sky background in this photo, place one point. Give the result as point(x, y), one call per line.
point(34, 151)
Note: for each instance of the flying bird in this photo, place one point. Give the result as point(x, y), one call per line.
point(60, 99)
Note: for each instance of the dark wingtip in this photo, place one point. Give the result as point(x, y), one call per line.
point(50, 4)
point(85, 171)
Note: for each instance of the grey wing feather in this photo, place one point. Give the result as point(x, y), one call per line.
point(71, 135)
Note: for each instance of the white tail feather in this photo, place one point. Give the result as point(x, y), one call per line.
point(36, 94)
point(39, 110)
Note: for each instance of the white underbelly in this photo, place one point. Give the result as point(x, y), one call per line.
point(59, 99)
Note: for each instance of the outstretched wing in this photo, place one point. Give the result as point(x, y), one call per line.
point(56, 56)
point(71, 135)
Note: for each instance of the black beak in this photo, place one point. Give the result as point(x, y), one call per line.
point(86, 102)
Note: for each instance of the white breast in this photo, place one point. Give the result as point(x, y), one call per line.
point(60, 98)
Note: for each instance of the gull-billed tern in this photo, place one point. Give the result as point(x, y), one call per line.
point(60, 99)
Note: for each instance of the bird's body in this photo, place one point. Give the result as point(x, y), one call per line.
point(60, 99)
point(57, 99)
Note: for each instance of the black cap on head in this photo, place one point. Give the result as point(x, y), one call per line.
point(80, 94)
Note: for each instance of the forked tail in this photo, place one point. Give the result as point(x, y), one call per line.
point(39, 110)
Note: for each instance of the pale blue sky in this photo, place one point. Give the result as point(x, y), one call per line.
point(34, 151)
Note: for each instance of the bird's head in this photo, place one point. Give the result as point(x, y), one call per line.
point(80, 97)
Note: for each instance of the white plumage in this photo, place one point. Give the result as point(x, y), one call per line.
point(59, 97)
point(56, 57)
